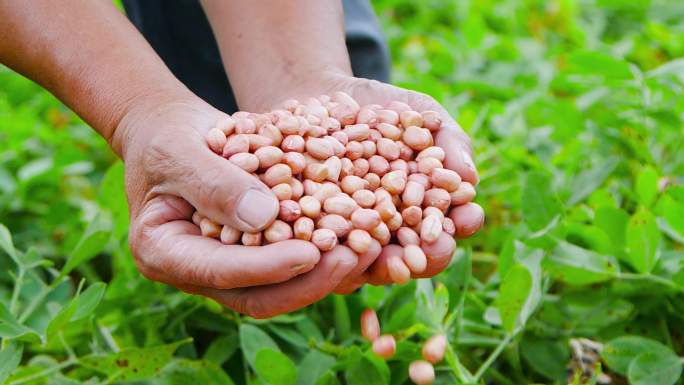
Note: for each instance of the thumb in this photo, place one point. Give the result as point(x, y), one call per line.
point(225, 193)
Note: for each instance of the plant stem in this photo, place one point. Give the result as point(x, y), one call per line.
point(330, 348)
point(456, 367)
point(651, 278)
point(498, 376)
point(18, 283)
point(37, 300)
point(494, 355)
point(107, 335)
point(67, 347)
point(45, 372)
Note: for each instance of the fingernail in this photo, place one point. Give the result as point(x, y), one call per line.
point(257, 208)
point(301, 268)
point(468, 160)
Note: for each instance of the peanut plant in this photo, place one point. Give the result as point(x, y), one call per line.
point(577, 277)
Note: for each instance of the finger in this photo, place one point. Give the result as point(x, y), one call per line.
point(451, 137)
point(379, 273)
point(171, 249)
point(222, 191)
point(456, 145)
point(353, 284)
point(468, 219)
point(355, 278)
point(438, 255)
point(271, 300)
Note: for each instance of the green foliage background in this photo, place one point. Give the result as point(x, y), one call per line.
point(576, 112)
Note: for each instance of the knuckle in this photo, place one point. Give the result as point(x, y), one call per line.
point(257, 309)
point(139, 241)
point(244, 304)
point(239, 304)
point(146, 271)
point(136, 244)
point(158, 154)
point(254, 309)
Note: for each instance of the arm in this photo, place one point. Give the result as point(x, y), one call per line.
point(273, 50)
point(278, 49)
point(88, 55)
point(93, 59)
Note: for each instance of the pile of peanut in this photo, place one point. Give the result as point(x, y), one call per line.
point(421, 372)
point(344, 173)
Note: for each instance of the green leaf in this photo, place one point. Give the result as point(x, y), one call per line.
point(653, 368)
point(366, 370)
point(112, 196)
point(433, 303)
point(307, 327)
point(82, 305)
point(134, 363)
point(222, 348)
point(60, 379)
point(520, 253)
point(63, 317)
point(578, 266)
point(10, 357)
point(329, 378)
point(595, 63)
point(672, 213)
point(513, 294)
point(540, 205)
point(183, 372)
point(313, 366)
point(6, 243)
point(253, 339)
point(379, 364)
point(613, 221)
point(290, 334)
point(34, 168)
point(457, 277)
point(647, 186)
point(403, 317)
point(619, 352)
point(32, 258)
point(643, 240)
point(10, 328)
point(92, 242)
point(342, 318)
point(674, 67)
point(507, 254)
point(589, 180)
point(88, 300)
point(275, 368)
point(546, 356)
point(373, 296)
point(441, 300)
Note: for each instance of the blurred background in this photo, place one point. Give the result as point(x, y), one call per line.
point(576, 113)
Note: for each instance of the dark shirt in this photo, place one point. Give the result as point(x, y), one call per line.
point(179, 32)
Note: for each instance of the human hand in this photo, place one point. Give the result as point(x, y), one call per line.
point(170, 171)
point(468, 218)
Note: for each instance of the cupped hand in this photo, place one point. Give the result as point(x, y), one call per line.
point(170, 171)
point(468, 218)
